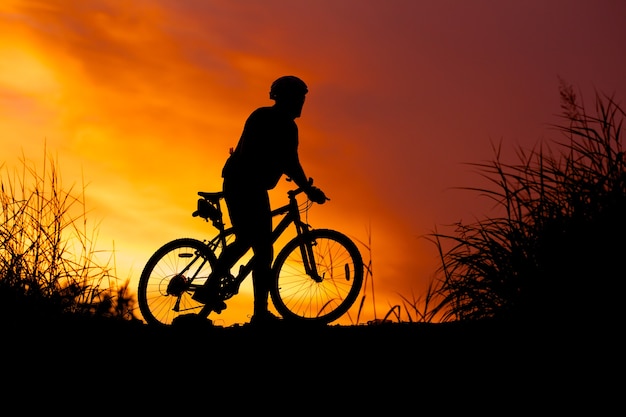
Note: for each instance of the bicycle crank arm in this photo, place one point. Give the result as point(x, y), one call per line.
point(176, 307)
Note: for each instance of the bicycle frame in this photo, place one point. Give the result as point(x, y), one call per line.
point(291, 215)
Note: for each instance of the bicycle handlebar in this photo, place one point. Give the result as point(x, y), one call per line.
point(295, 192)
point(214, 197)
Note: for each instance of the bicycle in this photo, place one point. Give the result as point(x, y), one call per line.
point(317, 275)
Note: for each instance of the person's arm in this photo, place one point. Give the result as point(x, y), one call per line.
point(296, 173)
point(294, 170)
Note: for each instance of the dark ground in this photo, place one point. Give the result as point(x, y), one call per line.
point(407, 368)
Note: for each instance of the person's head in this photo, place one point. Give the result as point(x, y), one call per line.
point(289, 92)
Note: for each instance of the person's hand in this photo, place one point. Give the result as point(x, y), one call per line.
point(316, 195)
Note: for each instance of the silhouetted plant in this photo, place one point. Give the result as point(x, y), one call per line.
point(420, 309)
point(368, 277)
point(556, 249)
point(47, 256)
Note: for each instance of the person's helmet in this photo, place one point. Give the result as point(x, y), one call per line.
point(288, 86)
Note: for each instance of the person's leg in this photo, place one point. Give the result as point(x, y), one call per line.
point(228, 257)
point(253, 223)
point(262, 271)
point(238, 203)
point(250, 214)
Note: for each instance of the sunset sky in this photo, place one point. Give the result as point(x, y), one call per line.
point(142, 99)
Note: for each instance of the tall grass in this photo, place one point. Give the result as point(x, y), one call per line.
point(416, 309)
point(48, 258)
point(556, 251)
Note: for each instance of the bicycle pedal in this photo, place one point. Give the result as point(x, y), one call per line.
point(218, 306)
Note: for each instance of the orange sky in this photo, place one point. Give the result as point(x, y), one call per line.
point(143, 99)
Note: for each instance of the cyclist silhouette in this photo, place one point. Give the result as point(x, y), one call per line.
point(266, 150)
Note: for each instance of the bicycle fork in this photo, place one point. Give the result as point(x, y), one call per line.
point(308, 257)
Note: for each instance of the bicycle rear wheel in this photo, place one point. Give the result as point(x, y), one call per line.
point(298, 296)
point(169, 279)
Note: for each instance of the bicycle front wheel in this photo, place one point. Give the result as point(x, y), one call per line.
point(170, 278)
point(326, 294)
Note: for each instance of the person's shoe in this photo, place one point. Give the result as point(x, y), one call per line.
point(217, 305)
point(264, 319)
point(205, 296)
